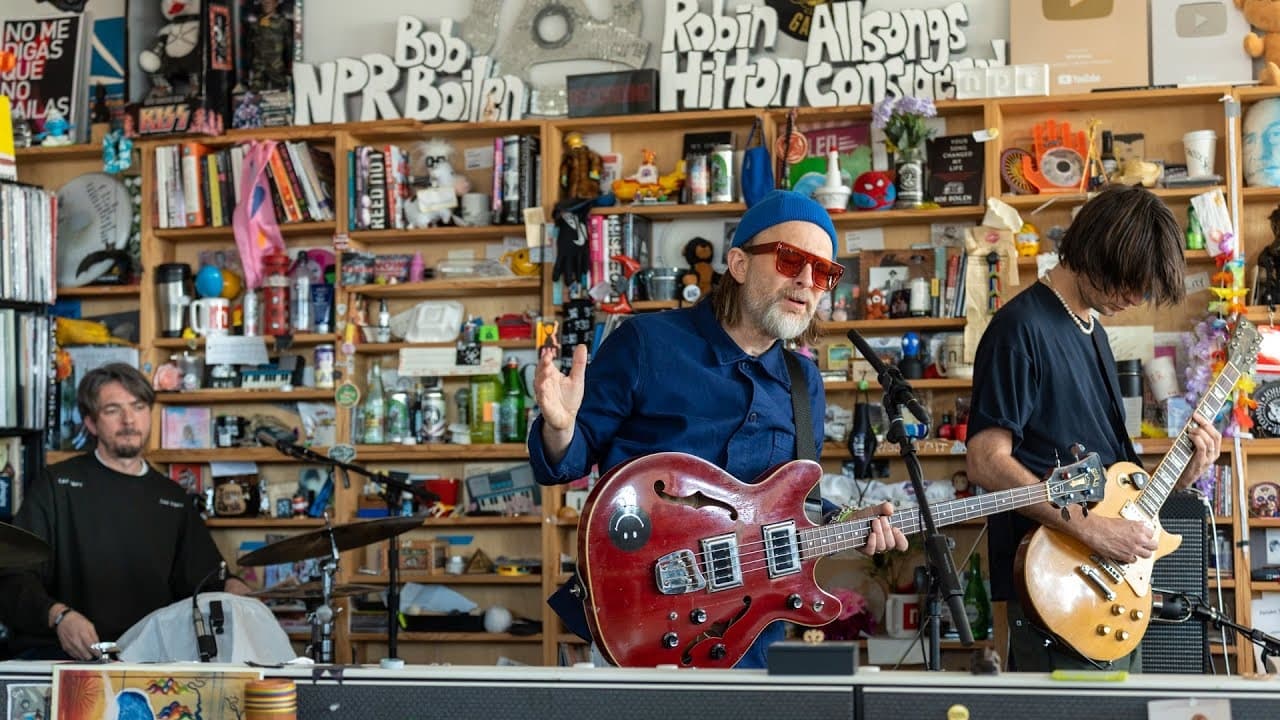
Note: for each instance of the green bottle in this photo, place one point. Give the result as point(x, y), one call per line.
point(375, 407)
point(511, 426)
point(976, 604)
point(486, 392)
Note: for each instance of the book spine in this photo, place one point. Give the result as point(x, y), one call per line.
point(280, 174)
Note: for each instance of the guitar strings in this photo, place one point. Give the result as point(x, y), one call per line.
point(854, 532)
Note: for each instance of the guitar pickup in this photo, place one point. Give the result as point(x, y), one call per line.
point(1107, 567)
point(677, 573)
point(1092, 576)
point(782, 549)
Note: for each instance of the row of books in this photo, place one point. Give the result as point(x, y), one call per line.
point(25, 348)
point(199, 186)
point(609, 236)
point(382, 182)
point(1216, 485)
point(28, 222)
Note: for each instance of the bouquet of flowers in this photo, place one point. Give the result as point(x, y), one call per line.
point(902, 120)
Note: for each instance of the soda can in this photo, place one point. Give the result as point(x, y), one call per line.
point(698, 180)
point(324, 366)
point(251, 314)
point(397, 417)
point(722, 174)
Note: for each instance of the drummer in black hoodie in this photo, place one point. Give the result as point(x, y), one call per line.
point(124, 539)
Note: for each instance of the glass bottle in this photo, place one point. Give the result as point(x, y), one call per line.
point(976, 604)
point(300, 293)
point(511, 427)
point(486, 392)
point(375, 407)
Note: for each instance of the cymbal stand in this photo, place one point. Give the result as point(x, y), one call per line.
point(321, 647)
point(393, 483)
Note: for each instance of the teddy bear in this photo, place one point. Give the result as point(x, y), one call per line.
point(1263, 15)
point(175, 55)
point(877, 308)
point(699, 252)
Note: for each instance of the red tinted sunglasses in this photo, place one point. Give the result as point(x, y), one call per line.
point(789, 260)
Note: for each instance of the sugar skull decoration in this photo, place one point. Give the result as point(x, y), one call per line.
point(874, 190)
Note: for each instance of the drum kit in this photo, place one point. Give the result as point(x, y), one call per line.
point(19, 548)
point(326, 543)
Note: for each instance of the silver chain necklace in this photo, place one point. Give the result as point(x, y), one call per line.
point(1086, 329)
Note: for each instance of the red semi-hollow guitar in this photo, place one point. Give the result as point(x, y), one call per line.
point(684, 564)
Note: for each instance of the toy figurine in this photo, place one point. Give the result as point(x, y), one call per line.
point(21, 128)
point(57, 131)
point(874, 190)
point(877, 308)
point(699, 252)
point(175, 54)
point(269, 49)
point(580, 169)
point(438, 191)
point(647, 185)
point(1027, 241)
point(248, 113)
point(1264, 15)
point(100, 112)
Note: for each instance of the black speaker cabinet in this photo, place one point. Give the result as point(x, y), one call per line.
point(1181, 647)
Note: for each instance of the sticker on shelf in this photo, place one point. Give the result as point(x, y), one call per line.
point(347, 395)
point(342, 453)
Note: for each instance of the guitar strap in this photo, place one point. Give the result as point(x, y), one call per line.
point(805, 447)
point(1117, 408)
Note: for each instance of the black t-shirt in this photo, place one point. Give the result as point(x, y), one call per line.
point(123, 546)
point(1038, 376)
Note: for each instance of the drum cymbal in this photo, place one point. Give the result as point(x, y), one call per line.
point(19, 548)
point(311, 591)
point(315, 544)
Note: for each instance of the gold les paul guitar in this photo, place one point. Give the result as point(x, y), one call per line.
point(1096, 605)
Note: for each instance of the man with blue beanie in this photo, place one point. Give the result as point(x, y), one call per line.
point(711, 380)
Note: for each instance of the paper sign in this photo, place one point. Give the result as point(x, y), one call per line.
point(226, 469)
point(478, 158)
point(235, 350)
point(864, 239)
point(442, 362)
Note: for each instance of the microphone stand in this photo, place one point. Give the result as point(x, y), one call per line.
point(942, 579)
point(394, 483)
point(1207, 613)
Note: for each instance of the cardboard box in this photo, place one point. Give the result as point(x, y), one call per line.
point(1088, 44)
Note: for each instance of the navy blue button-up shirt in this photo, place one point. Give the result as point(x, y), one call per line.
point(676, 381)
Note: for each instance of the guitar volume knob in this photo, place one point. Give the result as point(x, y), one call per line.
point(794, 601)
point(1136, 615)
point(718, 651)
point(697, 616)
point(1104, 629)
point(670, 640)
point(1117, 609)
point(1122, 635)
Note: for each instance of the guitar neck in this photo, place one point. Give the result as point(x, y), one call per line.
point(1175, 461)
point(852, 534)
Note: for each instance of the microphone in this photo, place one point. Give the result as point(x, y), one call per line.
point(1170, 607)
point(271, 437)
point(206, 645)
point(896, 388)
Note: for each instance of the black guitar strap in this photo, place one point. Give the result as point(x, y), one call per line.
point(1113, 389)
point(805, 446)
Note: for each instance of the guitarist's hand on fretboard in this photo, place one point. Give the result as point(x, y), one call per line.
point(1207, 442)
point(881, 535)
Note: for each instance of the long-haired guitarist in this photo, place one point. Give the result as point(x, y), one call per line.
point(1045, 379)
point(710, 380)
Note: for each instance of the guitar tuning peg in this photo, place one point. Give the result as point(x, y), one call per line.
point(1077, 450)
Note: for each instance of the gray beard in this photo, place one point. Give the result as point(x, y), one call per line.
point(783, 326)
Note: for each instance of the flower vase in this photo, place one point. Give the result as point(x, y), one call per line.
point(909, 170)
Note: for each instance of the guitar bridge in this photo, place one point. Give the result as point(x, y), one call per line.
point(677, 573)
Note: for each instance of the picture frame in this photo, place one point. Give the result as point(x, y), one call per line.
point(188, 476)
point(186, 428)
point(886, 276)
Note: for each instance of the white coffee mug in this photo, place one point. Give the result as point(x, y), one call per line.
point(475, 209)
point(950, 361)
point(902, 614)
point(211, 316)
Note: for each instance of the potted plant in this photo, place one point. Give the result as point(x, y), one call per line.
point(903, 121)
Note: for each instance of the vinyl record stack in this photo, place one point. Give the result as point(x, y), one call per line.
point(271, 699)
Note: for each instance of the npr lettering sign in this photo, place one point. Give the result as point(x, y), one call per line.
point(442, 82)
point(711, 60)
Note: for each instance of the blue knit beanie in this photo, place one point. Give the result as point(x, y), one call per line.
point(781, 206)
